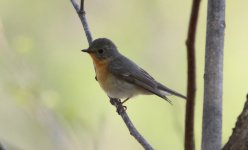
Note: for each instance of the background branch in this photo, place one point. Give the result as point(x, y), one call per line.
point(120, 109)
point(239, 138)
point(189, 143)
point(1, 147)
point(213, 77)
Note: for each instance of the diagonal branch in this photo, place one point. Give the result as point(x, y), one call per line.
point(133, 131)
point(189, 143)
point(239, 138)
point(120, 108)
point(81, 15)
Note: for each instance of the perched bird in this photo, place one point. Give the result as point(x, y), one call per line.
point(120, 77)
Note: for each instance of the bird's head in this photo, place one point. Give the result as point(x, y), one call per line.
point(102, 49)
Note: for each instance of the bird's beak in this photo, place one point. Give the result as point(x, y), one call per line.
point(86, 50)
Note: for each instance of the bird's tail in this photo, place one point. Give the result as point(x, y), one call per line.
point(167, 90)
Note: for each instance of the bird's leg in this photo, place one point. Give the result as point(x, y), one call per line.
point(96, 78)
point(125, 100)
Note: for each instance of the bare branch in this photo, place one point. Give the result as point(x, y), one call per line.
point(133, 131)
point(120, 108)
point(189, 143)
point(75, 5)
point(239, 138)
point(81, 14)
point(213, 77)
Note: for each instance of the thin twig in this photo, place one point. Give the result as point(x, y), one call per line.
point(189, 143)
point(120, 108)
point(133, 131)
point(239, 138)
point(81, 14)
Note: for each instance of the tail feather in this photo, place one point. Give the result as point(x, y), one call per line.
point(170, 91)
point(167, 99)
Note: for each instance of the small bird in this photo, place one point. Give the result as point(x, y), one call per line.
point(120, 77)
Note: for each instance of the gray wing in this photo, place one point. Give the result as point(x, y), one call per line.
point(129, 71)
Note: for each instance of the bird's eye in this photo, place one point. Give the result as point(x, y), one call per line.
point(100, 51)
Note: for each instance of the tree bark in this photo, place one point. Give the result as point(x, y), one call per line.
point(239, 138)
point(212, 106)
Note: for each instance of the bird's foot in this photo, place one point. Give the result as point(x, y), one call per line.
point(114, 101)
point(118, 104)
point(121, 108)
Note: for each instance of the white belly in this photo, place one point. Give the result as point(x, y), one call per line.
point(119, 88)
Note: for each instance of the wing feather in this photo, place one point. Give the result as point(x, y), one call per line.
point(129, 71)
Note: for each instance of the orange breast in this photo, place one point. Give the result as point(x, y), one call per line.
point(101, 71)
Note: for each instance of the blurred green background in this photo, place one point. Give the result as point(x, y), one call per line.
point(50, 100)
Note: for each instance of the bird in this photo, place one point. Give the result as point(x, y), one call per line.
point(120, 77)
